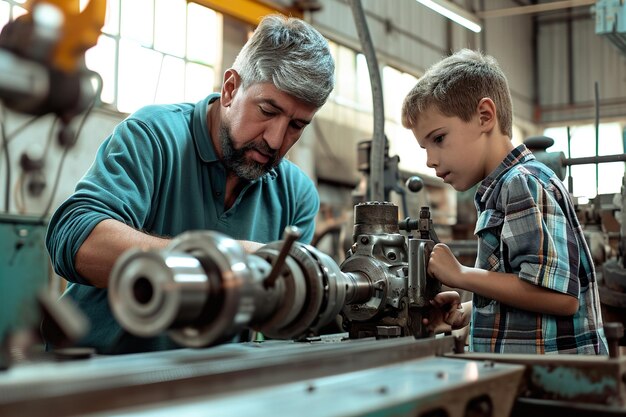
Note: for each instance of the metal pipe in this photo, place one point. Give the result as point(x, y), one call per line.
point(570, 179)
point(377, 161)
point(597, 126)
point(620, 157)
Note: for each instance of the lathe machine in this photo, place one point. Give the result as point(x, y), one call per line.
point(203, 289)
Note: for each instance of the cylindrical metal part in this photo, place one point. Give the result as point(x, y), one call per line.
point(419, 253)
point(315, 291)
point(292, 285)
point(358, 288)
point(620, 157)
point(614, 332)
point(335, 287)
point(232, 304)
point(375, 218)
point(375, 272)
point(202, 288)
point(150, 292)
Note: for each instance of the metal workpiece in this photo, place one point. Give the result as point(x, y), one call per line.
point(379, 260)
point(399, 285)
point(204, 288)
point(315, 280)
point(360, 288)
point(140, 296)
point(200, 288)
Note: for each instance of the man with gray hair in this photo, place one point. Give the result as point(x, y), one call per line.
point(214, 165)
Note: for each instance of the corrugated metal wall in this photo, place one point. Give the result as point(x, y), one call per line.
point(567, 91)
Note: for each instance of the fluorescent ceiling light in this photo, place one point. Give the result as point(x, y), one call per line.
point(453, 12)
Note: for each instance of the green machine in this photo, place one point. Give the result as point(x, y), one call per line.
point(24, 266)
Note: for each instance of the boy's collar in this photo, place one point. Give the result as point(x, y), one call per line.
point(518, 155)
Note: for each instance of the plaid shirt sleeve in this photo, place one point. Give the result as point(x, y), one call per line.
point(539, 244)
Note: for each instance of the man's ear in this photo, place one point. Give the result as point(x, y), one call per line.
point(230, 86)
point(487, 114)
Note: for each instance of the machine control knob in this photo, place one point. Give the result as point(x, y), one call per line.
point(414, 184)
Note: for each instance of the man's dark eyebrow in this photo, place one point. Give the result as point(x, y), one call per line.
point(273, 103)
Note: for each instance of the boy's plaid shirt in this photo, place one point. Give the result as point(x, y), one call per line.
point(527, 226)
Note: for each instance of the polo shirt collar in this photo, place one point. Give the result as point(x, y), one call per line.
point(201, 134)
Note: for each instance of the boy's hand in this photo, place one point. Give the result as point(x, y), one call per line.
point(447, 313)
point(444, 266)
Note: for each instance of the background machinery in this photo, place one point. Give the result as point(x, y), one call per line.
point(42, 71)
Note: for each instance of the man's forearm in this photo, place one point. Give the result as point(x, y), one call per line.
point(106, 242)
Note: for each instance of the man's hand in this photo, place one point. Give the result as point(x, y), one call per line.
point(447, 313)
point(444, 266)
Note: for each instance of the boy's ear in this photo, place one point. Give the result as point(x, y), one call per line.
point(487, 114)
point(230, 86)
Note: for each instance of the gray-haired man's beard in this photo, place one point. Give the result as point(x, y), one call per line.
point(235, 159)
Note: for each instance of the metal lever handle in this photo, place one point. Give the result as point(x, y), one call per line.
point(424, 225)
point(290, 235)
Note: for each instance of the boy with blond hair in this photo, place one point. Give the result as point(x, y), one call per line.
point(534, 284)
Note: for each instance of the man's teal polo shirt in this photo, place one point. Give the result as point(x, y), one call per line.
point(158, 172)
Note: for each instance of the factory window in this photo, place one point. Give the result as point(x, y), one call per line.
point(11, 10)
point(155, 51)
point(352, 82)
point(352, 106)
point(583, 144)
point(396, 85)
